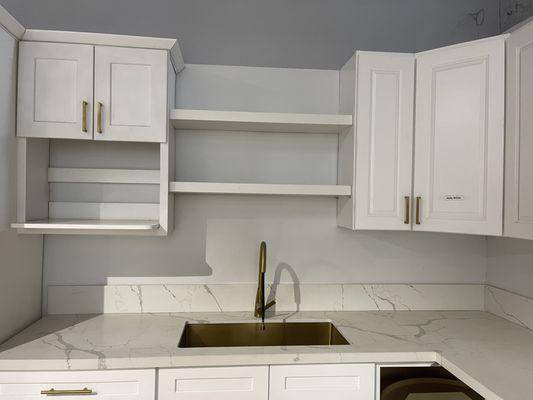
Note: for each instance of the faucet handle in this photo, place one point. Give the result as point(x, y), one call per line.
point(270, 304)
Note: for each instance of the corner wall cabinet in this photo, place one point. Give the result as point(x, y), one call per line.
point(519, 135)
point(453, 181)
point(96, 185)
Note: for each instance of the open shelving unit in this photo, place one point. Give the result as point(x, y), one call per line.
point(107, 201)
point(258, 121)
point(243, 121)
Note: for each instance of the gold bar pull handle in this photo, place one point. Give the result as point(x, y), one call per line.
point(84, 116)
point(417, 217)
point(407, 207)
point(75, 392)
point(99, 118)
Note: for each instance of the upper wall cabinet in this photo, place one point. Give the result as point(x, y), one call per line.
point(55, 90)
point(519, 135)
point(381, 140)
point(459, 138)
point(130, 90)
point(130, 86)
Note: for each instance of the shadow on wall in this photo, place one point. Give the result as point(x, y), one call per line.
point(273, 295)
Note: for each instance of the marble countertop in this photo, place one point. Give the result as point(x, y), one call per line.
point(492, 355)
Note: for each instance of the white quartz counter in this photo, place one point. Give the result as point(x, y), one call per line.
point(490, 354)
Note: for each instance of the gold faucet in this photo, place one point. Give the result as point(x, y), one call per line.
point(260, 306)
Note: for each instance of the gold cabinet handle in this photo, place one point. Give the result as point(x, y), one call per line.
point(84, 116)
point(99, 118)
point(418, 201)
point(407, 207)
point(75, 392)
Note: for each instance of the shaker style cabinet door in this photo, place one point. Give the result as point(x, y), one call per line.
point(130, 94)
point(385, 106)
point(519, 135)
point(94, 385)
point(218, 383)
point(322, 381)
point(55, 90)
point(459, 138)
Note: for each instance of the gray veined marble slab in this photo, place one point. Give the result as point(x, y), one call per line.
point(240, 297)
point(511, 306)
point(489, 353)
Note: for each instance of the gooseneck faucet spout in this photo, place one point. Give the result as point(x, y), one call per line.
point(260, 306)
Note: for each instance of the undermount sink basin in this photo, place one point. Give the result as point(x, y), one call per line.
point(253, 334)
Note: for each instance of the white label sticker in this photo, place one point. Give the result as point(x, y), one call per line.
point(454, 197)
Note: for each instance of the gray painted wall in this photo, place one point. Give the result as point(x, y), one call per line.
point(319, 34)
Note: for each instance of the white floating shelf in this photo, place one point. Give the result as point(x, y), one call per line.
point(260, 189)
point(86, 225)
point(259, 121)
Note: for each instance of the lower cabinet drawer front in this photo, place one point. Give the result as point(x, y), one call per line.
point(220, 383)
point(322, 381)
point(100, 385)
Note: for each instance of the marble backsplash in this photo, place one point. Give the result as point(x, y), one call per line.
point(241, 297)
point(511, 306)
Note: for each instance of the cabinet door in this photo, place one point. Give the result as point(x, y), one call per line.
point(221, 383)
point(459, 138)
point(130, 94)
point(519, 135)
point(98, 385)
point(55, 90)
point(385, 106)
point(322, 381)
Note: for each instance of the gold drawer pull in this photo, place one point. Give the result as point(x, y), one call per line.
point(406, 219)
point(75, 392)
point(418, 200)
point(84, 116)
point(99, 118)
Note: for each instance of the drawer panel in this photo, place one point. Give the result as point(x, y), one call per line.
point(221, 383)
point(316, 382)
point(106, 385)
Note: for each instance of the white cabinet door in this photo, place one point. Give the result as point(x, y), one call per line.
point(459, 138)
point(220, 383)
point(322, 381)
point(130, 94)
point(385, 106)
point(55, 90)
point(101, 385)
point(519, 135)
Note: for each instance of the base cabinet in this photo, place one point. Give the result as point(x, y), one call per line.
point(319, 382)
point(220, 383)
point(96, 385)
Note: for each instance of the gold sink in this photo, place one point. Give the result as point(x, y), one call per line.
point(255, 334)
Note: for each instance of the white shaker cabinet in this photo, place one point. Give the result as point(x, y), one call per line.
point(220, 383)
point(519, 135)
point(55, 90)
point(130, 89)
point(322, 381)
point(96, 385)
point(459, 126)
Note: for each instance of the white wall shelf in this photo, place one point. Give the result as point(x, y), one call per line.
point(258, 121)
point(260, 189)
point(97, 175)
point(88, 225)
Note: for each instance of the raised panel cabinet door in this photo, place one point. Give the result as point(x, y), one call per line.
point(322, 381)
point(219, 383)
point(94, 385)
point(55, 90)
point(385, 106)
point(130, 94)
point(459, 138)
point(518, 219)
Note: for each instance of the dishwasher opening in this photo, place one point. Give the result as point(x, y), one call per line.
point(422, 383)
